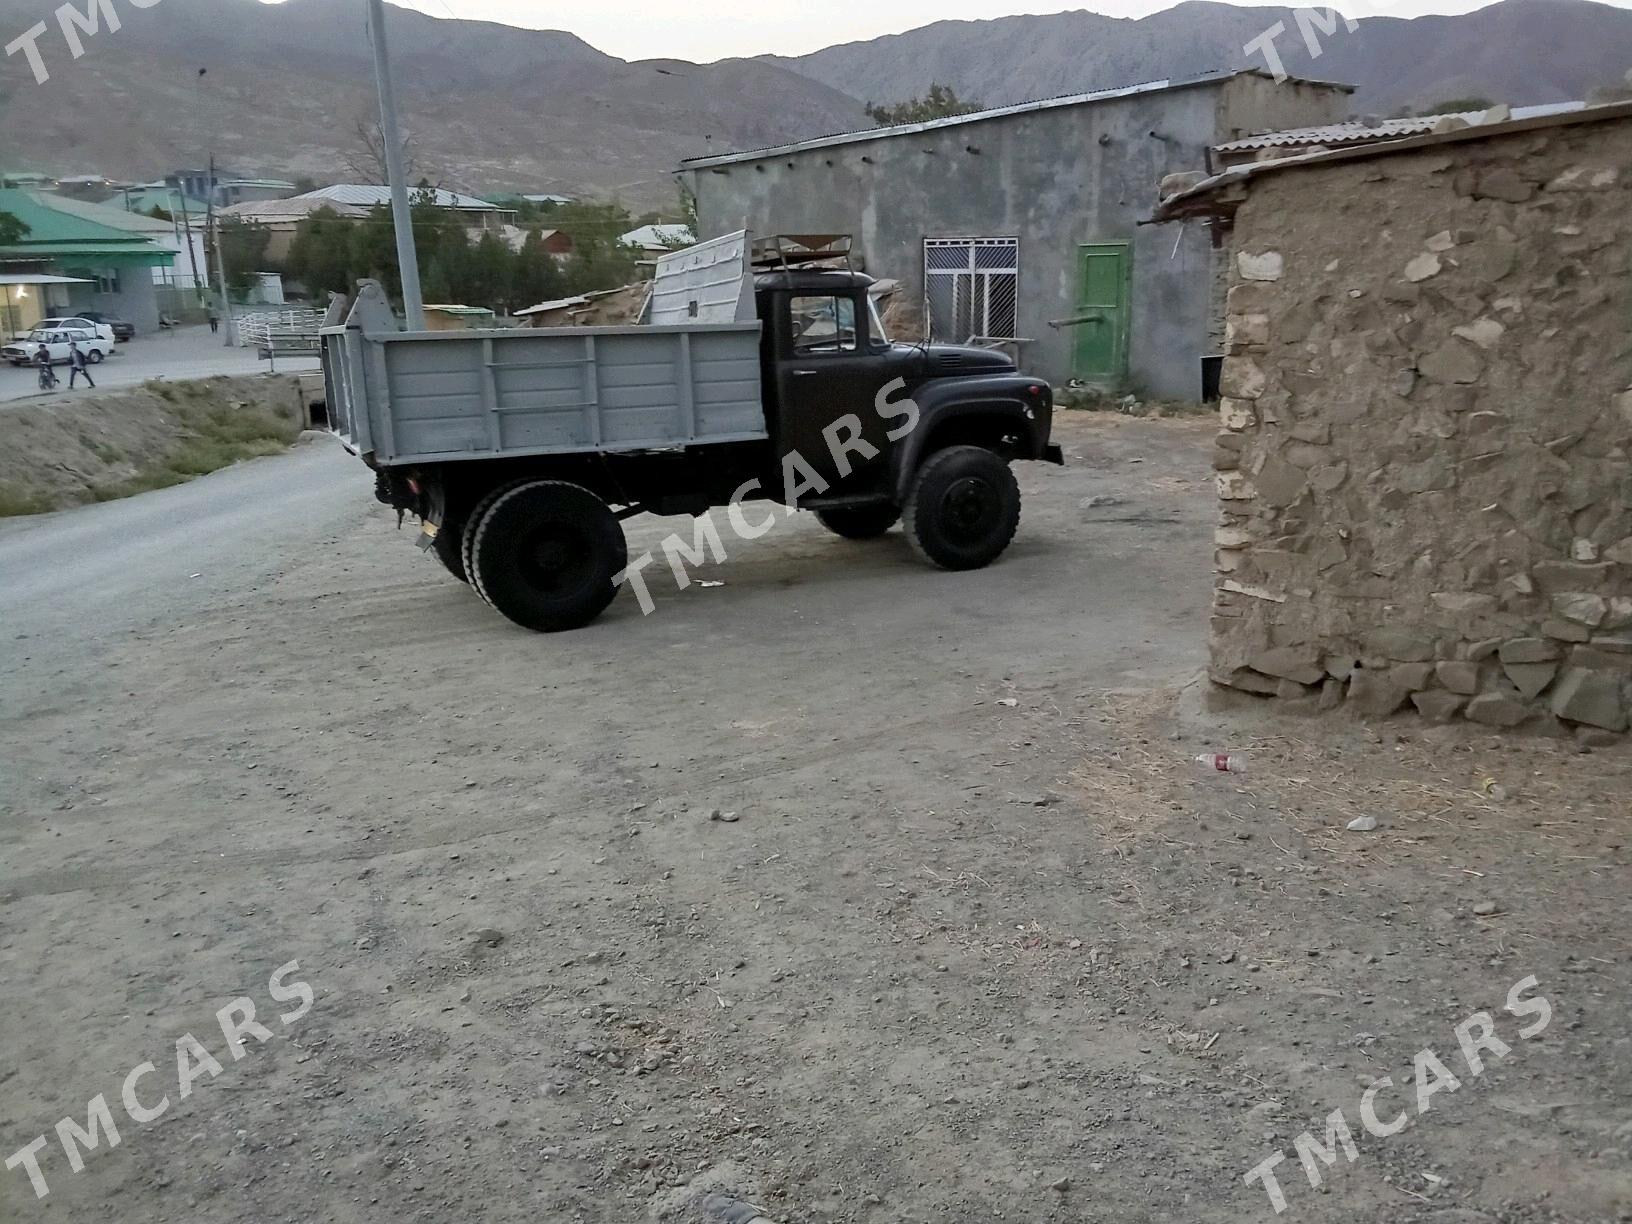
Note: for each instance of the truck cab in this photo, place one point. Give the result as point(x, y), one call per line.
point(825, 356)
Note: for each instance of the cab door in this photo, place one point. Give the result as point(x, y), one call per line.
point(829, 367)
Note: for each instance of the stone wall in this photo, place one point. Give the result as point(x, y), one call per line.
point(1425, 494)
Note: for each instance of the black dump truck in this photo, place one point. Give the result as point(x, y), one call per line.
point(758, 373)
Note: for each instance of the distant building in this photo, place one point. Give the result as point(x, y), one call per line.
point(659, 239)
point(145, 197)
point(556, 242)
point(283, 217)
point(1023, 221)
point(244, 191)
point(477, 214)
point(553, 200)
point(190, 269)
point(108, 268)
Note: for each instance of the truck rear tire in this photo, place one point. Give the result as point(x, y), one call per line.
point(449, 546)
point(465, 538)
point(963, 509)
point(860, 522)
point(545, 553)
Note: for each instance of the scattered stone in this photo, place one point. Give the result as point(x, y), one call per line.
point(1581, 607)
point(1485, 332)
point(1485, 908)
point(1442, 241)
point(1437, 706)
point(1530, 678)
point(1060, 1183)
point(1528, 650)
point(1591, 697)
point(1451, 363)
point(487, 937)
point(1497, 710)
point(1598, 737)
point(1502, 183)
point(1422, 267)
point(723, 817)
point(1374, 693)
point(1459, 676)
point(1265, 267)
point(1362, 824)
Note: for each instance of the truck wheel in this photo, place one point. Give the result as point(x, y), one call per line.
point(449, 546)
point(860, 523)
point(963, 509)
point(545, 554)
point(465, 538)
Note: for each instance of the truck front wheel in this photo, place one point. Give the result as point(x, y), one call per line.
point(860, 522)
point(963, 509)
point(545, 553)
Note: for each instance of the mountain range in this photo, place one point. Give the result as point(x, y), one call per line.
point(492, 108)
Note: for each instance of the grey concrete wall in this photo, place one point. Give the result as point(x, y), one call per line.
point(1423, 478)
point(1055, 179)
point(137, 299)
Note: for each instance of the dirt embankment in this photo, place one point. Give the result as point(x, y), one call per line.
point(65, 452)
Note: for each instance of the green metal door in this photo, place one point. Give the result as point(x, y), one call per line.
point(1102, 305)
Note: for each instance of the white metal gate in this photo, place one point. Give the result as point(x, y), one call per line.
point(971, 287)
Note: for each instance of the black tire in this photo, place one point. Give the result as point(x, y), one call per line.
point(545, 553)
point(860, 522)
point(963, 509)
point(94, 356)
point(449, 546)
point(466, 536)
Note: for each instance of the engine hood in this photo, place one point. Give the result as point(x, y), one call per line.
point(946, 359)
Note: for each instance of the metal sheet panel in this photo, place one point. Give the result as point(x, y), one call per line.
point(707, 283)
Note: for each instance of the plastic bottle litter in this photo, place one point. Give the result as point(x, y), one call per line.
point(1223, 762)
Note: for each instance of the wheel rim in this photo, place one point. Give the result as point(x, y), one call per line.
point(556, 559)
point(971, 509)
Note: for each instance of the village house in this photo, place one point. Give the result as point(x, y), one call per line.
point(1424, 491)
point(1023, 221)
point(78, 263)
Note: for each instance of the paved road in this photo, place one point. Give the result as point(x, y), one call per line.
point(189, 353)
point(71, 580)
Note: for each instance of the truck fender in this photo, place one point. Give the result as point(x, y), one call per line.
point(1002, 400)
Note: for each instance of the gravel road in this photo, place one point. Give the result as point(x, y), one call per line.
point(848, 888)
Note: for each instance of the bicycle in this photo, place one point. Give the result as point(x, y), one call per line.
point(48, 378)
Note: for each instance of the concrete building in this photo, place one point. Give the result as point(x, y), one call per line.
point(1006, 221)
point(190, 268)
point(1424, 497)
point(103, 267)
point(282, 218)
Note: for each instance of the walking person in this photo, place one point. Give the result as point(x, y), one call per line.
point(215, 323)
point(77, 365)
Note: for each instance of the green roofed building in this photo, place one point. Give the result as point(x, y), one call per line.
point(109, 269)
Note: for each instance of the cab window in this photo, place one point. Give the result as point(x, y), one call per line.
point(823, 324)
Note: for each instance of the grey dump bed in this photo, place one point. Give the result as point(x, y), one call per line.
point(416, 397)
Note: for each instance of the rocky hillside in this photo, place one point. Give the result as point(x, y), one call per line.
point(488, 106)
point(1518, 51)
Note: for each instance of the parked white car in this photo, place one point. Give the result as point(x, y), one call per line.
point(21, 352)
point(78, 323)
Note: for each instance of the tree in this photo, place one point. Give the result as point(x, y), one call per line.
point(242, 251)
point(320, 253)
point(12, 229)
point(940, 102)
point(537, 275)
point(366, 160)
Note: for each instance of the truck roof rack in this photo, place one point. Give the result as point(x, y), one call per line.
point(784, 252)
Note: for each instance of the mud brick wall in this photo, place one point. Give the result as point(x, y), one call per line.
point(1425, 492)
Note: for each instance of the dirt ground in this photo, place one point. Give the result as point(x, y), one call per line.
point(849, 889)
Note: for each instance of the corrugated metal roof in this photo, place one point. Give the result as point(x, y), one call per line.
point(105, 214)
point(1021, 108)
point(651, 237)
point(297, 209)
point(1196, 200)
point(1356, 131)
point(369, 195)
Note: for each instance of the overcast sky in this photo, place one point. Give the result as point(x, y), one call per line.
point(715, 29)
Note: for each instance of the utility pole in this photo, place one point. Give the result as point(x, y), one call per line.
point(229, 339)
point(413, 303)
